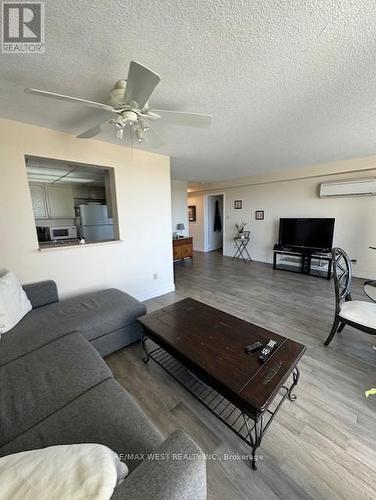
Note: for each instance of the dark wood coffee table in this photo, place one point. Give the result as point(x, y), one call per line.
point(203, 349)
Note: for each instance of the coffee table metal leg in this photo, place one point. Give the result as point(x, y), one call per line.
point(295, 376)
point(144, 338)
point(254, 436)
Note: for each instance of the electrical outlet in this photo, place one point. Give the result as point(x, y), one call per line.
point(155, 276)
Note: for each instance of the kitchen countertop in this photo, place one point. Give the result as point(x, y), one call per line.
point(58, 243)
point(49, 245)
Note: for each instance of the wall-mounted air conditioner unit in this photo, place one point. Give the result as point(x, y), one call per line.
point(355, 187)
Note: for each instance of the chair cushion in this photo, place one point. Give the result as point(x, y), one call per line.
point(363, 313)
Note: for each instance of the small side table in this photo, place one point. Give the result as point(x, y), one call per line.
point(241, 251)
point(370, 290)
point(369, 287)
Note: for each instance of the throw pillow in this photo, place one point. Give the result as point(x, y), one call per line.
point(74, 472)
point(14, 303)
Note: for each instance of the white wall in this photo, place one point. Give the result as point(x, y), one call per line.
point(214, 238)
point(144, 208)
point(196, 229)
point(179, 205)
point(355, 227)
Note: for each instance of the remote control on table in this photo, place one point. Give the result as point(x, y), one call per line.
point(267, 350)
point(251, 348)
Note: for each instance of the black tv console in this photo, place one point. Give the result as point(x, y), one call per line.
point(304, 262)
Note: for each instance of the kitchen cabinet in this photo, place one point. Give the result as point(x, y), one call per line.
point(60, 202)
point(81, 191)
point(38, 199)
point(97, 193)
point(52, 201)
point(87, 192)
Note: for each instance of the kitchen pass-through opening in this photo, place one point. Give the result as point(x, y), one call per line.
point(73, 203)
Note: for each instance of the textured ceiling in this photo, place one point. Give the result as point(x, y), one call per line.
point(288, 82)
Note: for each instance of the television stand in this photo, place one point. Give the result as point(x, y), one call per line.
point(304, 262)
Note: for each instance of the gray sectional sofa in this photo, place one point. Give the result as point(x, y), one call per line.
point(55, 388)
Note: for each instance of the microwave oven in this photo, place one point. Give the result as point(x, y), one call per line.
point(63, 233)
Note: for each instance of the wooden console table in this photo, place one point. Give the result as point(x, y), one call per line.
point(182, 248)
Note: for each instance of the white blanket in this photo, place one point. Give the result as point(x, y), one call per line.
point(69, 472)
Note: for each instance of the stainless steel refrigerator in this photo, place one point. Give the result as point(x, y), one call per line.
point(95, 223)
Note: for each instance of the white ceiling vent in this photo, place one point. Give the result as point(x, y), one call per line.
point(355, 187)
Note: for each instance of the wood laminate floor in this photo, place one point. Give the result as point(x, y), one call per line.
point(323, 446)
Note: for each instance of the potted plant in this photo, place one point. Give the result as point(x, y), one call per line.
point(240, 229)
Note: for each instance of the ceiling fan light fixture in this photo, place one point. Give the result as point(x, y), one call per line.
point(129, 105)
point(129, 116)
point(140, 135)
point(144, 125)
point(119, 122)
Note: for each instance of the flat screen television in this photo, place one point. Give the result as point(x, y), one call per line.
point(310, 234)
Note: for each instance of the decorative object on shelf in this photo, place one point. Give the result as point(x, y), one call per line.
point(259, 215)
point(238, 204)
point(180, 227)
point(192, 213)
point(240, 228)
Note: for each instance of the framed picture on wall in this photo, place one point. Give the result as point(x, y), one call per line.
point(192, 213)
point(259, 215)
point(238, 204)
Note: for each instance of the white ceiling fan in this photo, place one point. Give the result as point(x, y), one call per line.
point(129, 103)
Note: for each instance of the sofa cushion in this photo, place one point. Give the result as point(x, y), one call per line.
point(106, 414)
point(45, 380)
point(98, 313)
point(93, 314)
point(41, 293)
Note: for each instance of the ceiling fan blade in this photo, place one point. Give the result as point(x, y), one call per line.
point(184, 118)
point(61, 97)
point(95, 130)
point(154, 139)
point(141, 83)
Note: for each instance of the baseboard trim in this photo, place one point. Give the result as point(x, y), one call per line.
point(151, 294)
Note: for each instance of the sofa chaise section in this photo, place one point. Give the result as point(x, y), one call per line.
point(107, 318)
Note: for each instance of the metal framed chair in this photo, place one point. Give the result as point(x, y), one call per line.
point(356, 313)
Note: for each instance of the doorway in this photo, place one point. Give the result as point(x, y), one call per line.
point(214, 223)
